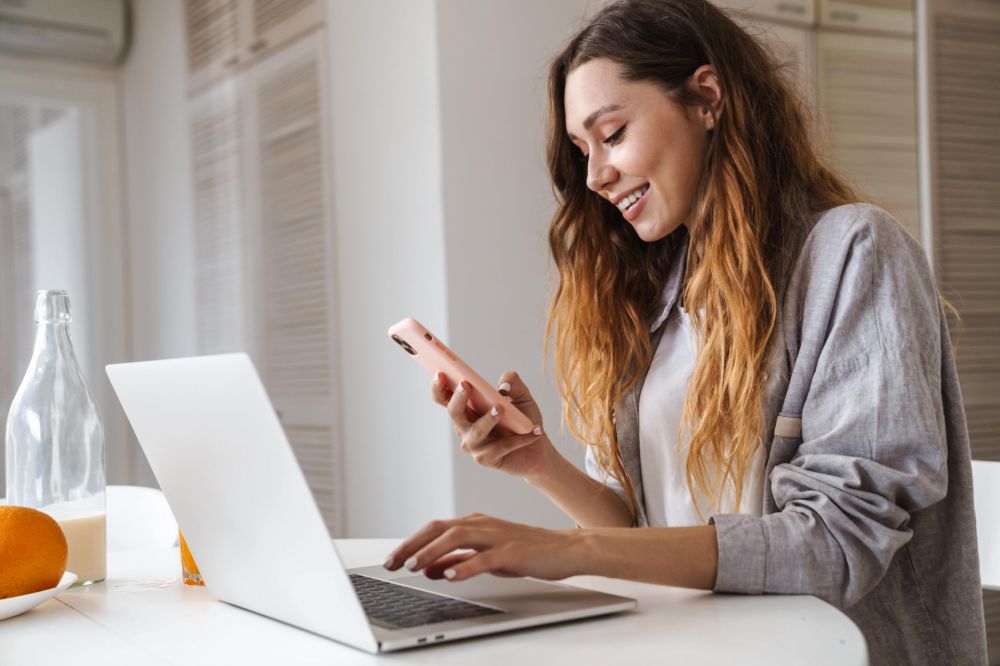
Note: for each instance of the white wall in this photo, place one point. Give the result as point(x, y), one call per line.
point(390, 242)
point(158, 164)
point(494, 57)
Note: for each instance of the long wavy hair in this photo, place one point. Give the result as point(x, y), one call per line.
point(762, 178)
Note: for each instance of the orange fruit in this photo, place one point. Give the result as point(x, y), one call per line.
point(32, 551)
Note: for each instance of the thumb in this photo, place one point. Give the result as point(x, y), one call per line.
point(510, 384)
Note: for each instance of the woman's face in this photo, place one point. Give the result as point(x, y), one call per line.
point(644, 151)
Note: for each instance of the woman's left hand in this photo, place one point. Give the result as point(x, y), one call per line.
point(497, 546)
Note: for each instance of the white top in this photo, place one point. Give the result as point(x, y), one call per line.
point(664, 478)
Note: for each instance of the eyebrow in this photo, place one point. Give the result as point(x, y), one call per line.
point(592, 118)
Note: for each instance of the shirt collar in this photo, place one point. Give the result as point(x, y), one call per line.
point(672, 287)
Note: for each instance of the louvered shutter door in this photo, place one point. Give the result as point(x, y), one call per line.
point(794, 47)
point(213, 39)
point(785, 28)
point(891, 16)
point(966, 100)
point(798, 12)
point(867, 98)
point(967, 127)
point(219, 220)
point(277, 22)
point(296, 255)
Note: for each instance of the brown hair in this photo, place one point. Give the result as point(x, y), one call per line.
point(762, 178)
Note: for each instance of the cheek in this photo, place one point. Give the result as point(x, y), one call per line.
point(680, 168)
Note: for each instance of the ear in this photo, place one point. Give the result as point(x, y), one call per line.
point(705, 83)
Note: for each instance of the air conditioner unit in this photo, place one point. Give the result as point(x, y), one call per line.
point(90, 30)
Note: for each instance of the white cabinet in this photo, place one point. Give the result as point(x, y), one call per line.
point(224, 36)
point(785, 27)
point(798, 12)
point(966, 153)
point(889, 16)
point(264, 245)
point(866, 89)
point(295, 248)
point(220, 219)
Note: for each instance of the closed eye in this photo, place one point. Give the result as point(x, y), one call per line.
point(616, 137)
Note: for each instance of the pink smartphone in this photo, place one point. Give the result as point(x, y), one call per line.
point(431, 353)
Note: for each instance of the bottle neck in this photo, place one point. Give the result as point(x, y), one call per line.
point(52, 319)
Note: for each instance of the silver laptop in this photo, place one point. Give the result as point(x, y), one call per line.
point(221, 458)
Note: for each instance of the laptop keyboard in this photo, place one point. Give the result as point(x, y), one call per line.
point(399, 607)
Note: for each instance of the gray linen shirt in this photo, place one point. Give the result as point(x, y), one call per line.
point(868, 497)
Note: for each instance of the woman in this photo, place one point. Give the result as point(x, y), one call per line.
point(759, 364)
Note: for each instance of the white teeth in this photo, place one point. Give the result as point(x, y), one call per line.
point(627, 202)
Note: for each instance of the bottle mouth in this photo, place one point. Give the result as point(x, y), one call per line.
point(52, 307)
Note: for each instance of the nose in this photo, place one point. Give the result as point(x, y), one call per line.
point(599, 173)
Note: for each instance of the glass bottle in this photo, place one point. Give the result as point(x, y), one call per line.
point(55, 442)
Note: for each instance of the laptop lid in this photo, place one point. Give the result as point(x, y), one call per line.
point(221, 458)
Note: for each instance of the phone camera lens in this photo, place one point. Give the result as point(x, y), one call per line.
point(405, 345)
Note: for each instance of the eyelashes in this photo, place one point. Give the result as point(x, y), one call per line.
point(612, 140)
point(615, 138)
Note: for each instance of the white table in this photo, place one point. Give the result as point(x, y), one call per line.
point(143, 615)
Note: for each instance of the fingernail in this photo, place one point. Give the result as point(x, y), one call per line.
point(537, 430)
point(449, 573)
point(411, 563)
point(388, 562)
point(495, 411)
point(461, 387)
point(437, 377)
point(504, 387)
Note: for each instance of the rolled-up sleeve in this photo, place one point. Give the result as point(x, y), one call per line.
point(873, 448)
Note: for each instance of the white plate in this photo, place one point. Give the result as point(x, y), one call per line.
point(12, 606)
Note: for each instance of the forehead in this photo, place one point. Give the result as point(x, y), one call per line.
point(596, 85)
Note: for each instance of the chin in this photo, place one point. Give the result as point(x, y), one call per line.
point(650, 232)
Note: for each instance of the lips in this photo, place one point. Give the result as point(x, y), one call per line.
point(632, 197)
point(632, 205)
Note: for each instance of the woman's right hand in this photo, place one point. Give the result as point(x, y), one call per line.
point(529, 456)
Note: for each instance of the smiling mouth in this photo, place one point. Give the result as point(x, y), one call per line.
point(631, 199)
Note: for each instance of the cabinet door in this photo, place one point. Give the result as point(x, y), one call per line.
point(214, 44)
point(867, 101)
point(792, 44)
point(220, 234)
point(889, 16)
point(797, 12)
point(966, 99)
point(795, 47)
point(295, 249)
point(273, 23)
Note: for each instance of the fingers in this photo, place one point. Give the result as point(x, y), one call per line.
point(515, 388)
point(440, 393)
point(420, 538)
point(458, 406)
point(491, 454)
point(455, 536)
point(488, 561)
point(479, 431)
point(436, 569)
point(438, 538)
